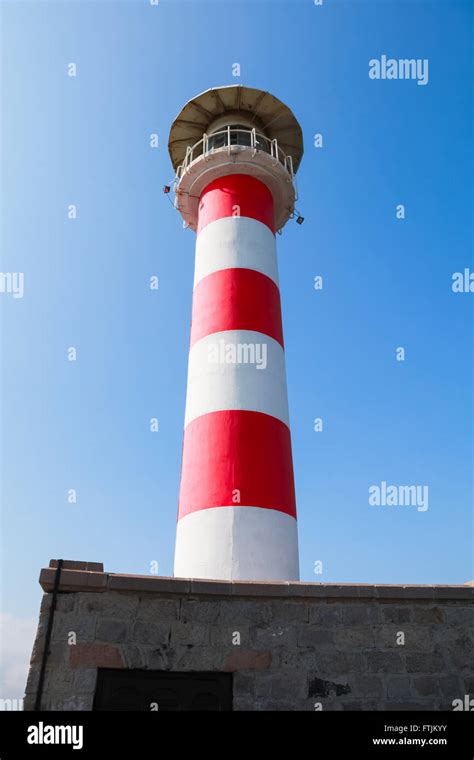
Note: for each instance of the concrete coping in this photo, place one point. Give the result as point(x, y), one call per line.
point(72, 564)
point(90, 576)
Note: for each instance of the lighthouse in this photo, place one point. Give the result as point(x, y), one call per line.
point(235, 151)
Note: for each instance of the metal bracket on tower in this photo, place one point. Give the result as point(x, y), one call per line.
point(253, 141)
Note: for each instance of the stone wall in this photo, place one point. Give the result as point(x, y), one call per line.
point(294, 646)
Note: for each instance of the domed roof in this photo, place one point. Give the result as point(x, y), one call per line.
point(268, 114)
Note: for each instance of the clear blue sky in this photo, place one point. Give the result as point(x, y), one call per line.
point(387, 282)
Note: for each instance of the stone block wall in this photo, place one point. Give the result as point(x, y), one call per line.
point(293, 646)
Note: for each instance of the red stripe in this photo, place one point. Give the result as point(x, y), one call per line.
point(247, 451)
point(236, 299)
point(236, 195)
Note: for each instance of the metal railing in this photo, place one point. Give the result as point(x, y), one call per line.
point(231, 139)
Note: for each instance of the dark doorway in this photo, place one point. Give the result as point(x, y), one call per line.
point(150, 690)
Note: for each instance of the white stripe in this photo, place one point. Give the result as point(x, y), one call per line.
point(216, 382)
point(237, 543)
point(235, 242)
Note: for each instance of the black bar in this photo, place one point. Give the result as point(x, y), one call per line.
point(312, 734)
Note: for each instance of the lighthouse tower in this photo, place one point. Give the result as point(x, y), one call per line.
point(235, 151)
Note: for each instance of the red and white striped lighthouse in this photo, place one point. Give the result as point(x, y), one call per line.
point(235, 151)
